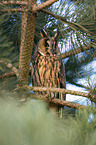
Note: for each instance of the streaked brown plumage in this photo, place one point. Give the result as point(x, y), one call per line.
point(47, 65)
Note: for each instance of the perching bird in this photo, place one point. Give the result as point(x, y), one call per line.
point(47, 66)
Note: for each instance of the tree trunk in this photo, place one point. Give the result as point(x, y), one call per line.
point(28, 22)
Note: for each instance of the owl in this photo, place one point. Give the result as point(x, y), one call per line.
point(47, 66)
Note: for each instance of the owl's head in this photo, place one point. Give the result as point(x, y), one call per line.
point(48, 45)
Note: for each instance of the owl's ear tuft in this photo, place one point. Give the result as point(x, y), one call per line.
point(43, 33)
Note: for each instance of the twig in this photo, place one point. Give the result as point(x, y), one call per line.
point(64, 20)
point(9, 65)
point(76, 51)
point(54, 15)
point(15, 10)
point(9, 74)
point(36, 8)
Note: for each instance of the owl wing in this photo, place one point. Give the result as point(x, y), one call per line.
point(34, 71)
point(62, 77)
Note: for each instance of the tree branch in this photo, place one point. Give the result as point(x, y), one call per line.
point(63, 91)
point(64, 20)
point(59, 102)
point(76, 51)
point(39, 7)
point(64, 55)
point(14, 2)
point(54, 15)
point(36, 8)
point(9, 74)
point(9, 65)
point(15, 10)
point(55, 101)
point(65, 103)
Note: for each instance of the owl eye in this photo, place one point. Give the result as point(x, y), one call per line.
point(46, 44)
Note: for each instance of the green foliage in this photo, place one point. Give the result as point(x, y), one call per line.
point(7, 51)
point(25, 123)
point(75, 66)
point(30, 123)
point(8, 54)
point(77, 29)
point(6, 47)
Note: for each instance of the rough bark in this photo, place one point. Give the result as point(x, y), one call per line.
point(43, 5)
point(63, 91)
point(14, 2)
point(27, 39)
point(59, 102)
point(15, 10)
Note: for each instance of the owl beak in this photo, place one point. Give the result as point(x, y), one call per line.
point(48, 51)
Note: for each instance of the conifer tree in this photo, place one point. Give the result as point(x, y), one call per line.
point(76, 22)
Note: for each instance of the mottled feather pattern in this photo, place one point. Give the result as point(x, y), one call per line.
point(47, 65)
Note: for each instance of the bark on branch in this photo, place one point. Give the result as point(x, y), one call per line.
point(60, 102)
point(9, 65)
point(9, 74)
point(63, 91)
point(35, 7)
point(14, 2)
point(28, 23)
point(65, 103)
point(76, 51)
point(15, 10)
point(43, 5)
point(54, 15)
point(72, 25)
point(55, 101)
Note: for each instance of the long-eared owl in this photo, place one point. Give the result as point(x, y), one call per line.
point(47, 65)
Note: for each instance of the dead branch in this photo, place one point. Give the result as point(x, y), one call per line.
point(43, 5)
point(9, 65)
point(9, 74)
